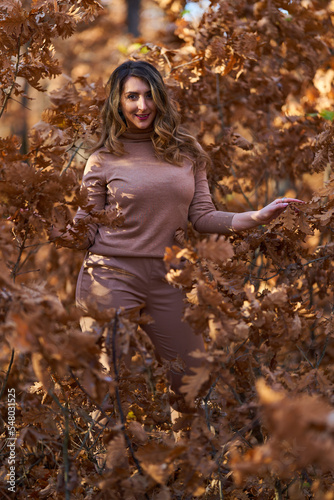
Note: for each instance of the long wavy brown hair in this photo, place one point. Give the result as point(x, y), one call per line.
point(171, 142)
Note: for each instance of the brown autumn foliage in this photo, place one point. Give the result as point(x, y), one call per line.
point(254, 83)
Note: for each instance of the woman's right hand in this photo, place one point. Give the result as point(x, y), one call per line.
point(54, 233)
point(61, 218)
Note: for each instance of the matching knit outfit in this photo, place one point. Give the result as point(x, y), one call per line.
point(124, 266)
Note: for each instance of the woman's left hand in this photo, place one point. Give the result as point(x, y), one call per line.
point(274, 209)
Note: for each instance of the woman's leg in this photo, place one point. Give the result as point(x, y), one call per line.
point(106, 284)
point(110, 282)
point(172, 337)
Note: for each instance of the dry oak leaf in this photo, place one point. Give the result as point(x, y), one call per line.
point(254, 462)
point(116, 453)
point(134, 487)
point(30, 436)
point(266, 394)
point(171, 256)
point(301, 431)
point(179, 236)
point(192, 384)
point(157, 460)
point(22, 338)
point(187, 254)
point(197, 317)
point(207, 294)
point(216, 249)
point(224, 330)
point(326, 217)
point(181, 277)
point(40, 367)
point(241, 142)
point(138, 432)
point(305, 413)
point(277, 298)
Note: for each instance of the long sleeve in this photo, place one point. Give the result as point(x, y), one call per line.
point(95, 183)
point(202, 212)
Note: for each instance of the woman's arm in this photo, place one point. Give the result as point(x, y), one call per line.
point(81, 235)
point(73, 236)
point(206, 219)
point(202, 212)
point(248, 220)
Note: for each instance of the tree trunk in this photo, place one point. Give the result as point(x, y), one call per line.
point(133, 16)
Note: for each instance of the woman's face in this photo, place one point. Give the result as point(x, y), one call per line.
point(137, 103)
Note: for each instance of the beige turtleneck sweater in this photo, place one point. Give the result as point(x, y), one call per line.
point(155, 198)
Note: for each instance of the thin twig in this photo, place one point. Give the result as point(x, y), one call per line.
point(168, 61)
point(304, 355)
point(221, 494)
point(19, 265)
point(27, 471)
point(21, 103)
point(197, 59)
point(64, 411)
point(99, 407)
point(5, 495)
point(71, 159)
point(212, 386)
point(324, 257)
point(65, 453)
point(87, 434)
point(219, 104)
point(234, 392)
point(238, 433)
point(278, 490)
point(117, 393)
point(251, 278)
point(94, 422)
point(323, 351)
point(7, 374)
point(241, 190)
point(281, 269)
point(37, 245)
point(207, 416)
point(27, 272)
point(18, 260)
point(221, 116)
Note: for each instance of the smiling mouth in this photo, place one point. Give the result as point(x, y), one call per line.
point(143, 117)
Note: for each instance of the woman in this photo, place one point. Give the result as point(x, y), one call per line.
point(148, 169)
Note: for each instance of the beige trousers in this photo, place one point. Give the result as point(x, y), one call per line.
point(113, 282)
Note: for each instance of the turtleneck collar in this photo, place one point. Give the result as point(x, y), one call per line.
point(137, 134)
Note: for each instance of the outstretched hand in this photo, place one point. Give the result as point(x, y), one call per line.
point(61, 218)
point(248, 220)
point(274, 209)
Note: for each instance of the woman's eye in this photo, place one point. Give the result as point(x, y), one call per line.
point(133, 97)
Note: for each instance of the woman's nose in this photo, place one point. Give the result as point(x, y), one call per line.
point(142, 103)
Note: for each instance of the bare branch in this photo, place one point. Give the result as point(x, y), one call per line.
point(323, 351)
point(72, 158)
point(7, 374)
point(111, 345)
point(304, 356)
